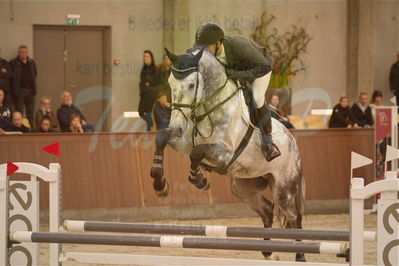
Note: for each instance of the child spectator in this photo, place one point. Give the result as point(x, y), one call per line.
point(164, 72)
point(45, 111)
point(16, 123)
point(74, 124)
point(5, 112)
point(45, 125)
point(376, 100)
point(342, 116)
point(162, 112)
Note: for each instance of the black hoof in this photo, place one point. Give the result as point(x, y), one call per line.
point(300, 257)
point(200, 182)
point(161, 188)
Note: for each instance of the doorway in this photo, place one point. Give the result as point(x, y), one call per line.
point(74, 59)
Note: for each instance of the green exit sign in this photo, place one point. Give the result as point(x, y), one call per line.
point(73, 20)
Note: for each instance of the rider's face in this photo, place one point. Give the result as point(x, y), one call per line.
point(212, 48)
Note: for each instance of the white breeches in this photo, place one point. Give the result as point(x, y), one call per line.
point(259, 87)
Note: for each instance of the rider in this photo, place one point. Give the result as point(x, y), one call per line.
point(247, 62)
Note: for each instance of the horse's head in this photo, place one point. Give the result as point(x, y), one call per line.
point(194, 75)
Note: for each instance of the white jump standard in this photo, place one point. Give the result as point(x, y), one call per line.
point(11, 234)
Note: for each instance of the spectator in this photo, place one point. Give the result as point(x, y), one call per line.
point(45, 125)
point(5, 112)
point(162, 112)
point(23, 85)
point(342, 116)
point(75, 125)
point(361, 111)
point(66, 110)
point(394, 78)
point(149, 81)
point(16, 123)
point(278, 114)
point(164, 72)
point(376, 100)
point(5, 82)
point(45, 110)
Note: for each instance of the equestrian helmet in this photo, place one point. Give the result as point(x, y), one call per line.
point(208, 33)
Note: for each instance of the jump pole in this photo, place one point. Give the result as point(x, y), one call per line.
point(212, 231)
point(180, 242)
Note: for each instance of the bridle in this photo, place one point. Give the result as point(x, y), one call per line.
point(196, 103)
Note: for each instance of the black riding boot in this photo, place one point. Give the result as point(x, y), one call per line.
point(265, 122)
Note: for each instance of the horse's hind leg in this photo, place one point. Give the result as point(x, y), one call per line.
point(250, 191)
point(160, 184)
point(289, 198)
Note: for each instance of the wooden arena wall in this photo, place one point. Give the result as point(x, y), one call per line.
point(111, 170)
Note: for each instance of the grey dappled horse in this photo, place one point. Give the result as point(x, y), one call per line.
point(209, 111)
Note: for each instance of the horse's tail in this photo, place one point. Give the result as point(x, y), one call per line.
point(300, 196)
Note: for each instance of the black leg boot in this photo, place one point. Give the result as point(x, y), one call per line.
point(265, 122)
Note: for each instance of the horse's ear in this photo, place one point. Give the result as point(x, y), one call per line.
point(199, 55)
point(172, 57)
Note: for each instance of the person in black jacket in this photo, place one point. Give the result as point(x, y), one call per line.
point(16, 123)
point(23, 85)
point(394, 78)
point(247, 62)
point(361, 111)
point(6, 75)
point(5, 112)
point(149, 90)
point(277, 113)
point(66, 110)
point(162, 112)
point(342, 115)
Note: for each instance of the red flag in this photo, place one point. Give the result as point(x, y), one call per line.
point(11, 168)
point(53, 149)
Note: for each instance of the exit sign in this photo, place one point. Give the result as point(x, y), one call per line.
point(73, 20)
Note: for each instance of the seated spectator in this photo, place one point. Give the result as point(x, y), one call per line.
point(66, 110)
point(74, 124)
point(45, 125)
point(278, 114)
point(342, 116)
point(376, 100)
point(5, 112)
point(45, 110)
point(162, 111)
point(361, 111)
point(16, 124)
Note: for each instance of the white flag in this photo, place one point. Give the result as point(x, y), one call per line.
point(358, 160)
point(391, 154)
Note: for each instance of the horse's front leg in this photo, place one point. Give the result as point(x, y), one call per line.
point(160, 184)
point(196, 177)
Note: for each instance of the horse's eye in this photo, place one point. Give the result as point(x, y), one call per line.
point(191, 86)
